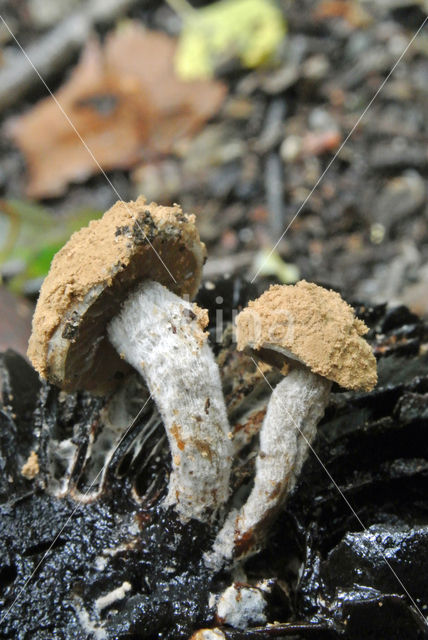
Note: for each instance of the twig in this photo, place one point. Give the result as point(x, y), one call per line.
point(216, 267)
point(274, 193)
point(279, 630)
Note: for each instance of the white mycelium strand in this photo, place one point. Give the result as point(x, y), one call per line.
point(241, 606)
point(294, 410)
point(159, 334)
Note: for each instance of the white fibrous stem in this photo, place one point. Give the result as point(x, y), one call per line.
point(296, 406)
point(161, 336)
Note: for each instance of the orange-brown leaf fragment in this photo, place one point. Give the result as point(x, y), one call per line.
point(31, 467)
point(125, 103)
point(353, 12)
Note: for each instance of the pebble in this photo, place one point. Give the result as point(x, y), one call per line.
point(316, 67)
point(291, 148)
point(401, 197)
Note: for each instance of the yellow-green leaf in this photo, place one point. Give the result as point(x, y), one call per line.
point(249, 30)
point(270, 263)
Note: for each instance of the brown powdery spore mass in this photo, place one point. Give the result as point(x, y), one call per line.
point(317, 326)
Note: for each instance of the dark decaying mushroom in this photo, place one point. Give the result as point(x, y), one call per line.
point(123, 567)
point(122, 282)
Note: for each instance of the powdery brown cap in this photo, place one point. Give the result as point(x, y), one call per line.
point(313, 325)
point(92, 275)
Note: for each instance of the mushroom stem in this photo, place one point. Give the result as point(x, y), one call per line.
point(162, 337)
point(296, 406)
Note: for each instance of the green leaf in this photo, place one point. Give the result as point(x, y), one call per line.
point(249, 30)
point(41, 260)
point(30, 237)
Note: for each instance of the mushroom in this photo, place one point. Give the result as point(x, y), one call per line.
point(115, 297)
point(312, 335)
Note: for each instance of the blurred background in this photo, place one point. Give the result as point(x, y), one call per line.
point(234, 109)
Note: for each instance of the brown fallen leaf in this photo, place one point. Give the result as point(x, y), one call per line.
point(127, 105)
point(15, 322)
point(350, 10)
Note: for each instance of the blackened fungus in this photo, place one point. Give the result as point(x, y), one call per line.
point(333, 571)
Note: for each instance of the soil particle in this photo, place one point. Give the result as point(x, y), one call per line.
point(31, 468)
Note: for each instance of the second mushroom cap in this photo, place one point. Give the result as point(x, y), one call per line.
point(313, 325)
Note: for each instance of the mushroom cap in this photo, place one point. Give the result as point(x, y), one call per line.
point(92, 275)
point(313, 325)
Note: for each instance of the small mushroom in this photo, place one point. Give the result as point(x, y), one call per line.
point(119, 283)
point(312, 335)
